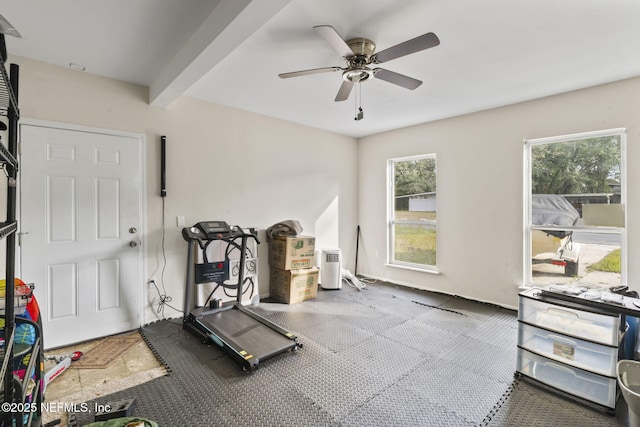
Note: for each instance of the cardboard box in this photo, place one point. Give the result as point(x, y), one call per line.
point(293, 252)
point(292, 286)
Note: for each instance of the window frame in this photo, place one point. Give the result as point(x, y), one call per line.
point(391, 221)
point(527, 199)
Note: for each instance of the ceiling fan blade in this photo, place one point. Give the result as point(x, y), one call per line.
point(422, 42)
point(307, 72)
point(7, 28)
point(334, 39)
point(344, 91)
point(397, 79)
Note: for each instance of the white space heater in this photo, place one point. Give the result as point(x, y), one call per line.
point(331, 269)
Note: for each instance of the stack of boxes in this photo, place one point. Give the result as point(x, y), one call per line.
point(293, 278)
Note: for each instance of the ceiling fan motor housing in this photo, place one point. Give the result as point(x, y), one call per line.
point(362, 50)
point(362, 47)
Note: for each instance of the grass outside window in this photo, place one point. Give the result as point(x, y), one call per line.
point(415, 244)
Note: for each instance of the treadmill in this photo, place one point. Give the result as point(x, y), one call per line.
point(245, 335)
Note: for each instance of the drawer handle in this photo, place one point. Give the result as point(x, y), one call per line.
point(562, 368)
point(563, 313)
point(563, 339)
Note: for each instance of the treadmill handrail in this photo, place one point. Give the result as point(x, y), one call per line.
point(252, 233)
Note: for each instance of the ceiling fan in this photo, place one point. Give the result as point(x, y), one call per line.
point(359, 54)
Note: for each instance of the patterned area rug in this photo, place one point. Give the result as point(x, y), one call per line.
point(106, 351)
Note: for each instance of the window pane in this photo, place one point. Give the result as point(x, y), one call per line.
point(576, 193)
point(597, 263)
point(415, 243)
point(587, 168)
point(415, 189)
point(412, 230)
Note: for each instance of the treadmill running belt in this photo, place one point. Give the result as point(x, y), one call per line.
point(247, 333)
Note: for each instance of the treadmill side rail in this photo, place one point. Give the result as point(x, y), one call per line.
point(268, 323)
point(247, 362)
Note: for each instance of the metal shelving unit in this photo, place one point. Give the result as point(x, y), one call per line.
point(26, 392)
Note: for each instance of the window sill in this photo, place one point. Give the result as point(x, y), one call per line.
point(406, 267)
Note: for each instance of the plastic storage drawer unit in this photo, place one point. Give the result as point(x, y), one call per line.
point(597, 358)
point(596, 327)
point(589, 386)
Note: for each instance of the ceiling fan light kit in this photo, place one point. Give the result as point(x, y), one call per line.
point(360, 54)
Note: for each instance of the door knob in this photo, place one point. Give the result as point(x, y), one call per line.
point(133, 244)
point(133, 230)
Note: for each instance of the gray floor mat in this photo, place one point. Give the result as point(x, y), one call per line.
point(385, 356)
point(528, 403)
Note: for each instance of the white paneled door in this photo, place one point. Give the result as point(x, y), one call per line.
point(79, 228)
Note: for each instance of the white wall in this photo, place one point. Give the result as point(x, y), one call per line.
point(480, 180)
point(222, 164)
point(331, 183)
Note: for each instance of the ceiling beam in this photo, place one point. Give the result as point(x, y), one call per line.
point(230, 23)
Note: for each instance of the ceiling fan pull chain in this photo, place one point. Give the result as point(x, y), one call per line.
point(355, 103)
point(359, 114)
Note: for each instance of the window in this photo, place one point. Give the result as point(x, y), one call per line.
point(574, 210)
point(412, 212)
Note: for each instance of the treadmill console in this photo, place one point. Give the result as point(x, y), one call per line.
point(208, 230)
point(214, 229)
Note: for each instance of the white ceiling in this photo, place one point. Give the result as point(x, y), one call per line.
point(230, 52)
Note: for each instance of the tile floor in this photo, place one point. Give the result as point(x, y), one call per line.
point(135, 366)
